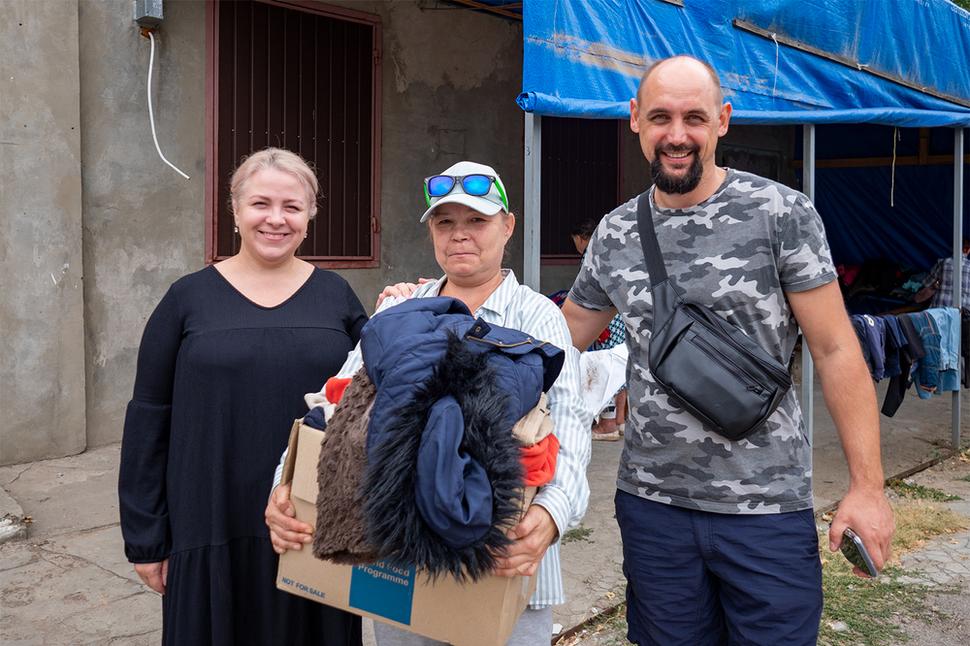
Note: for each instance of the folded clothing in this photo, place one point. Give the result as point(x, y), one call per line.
point(453, 493)
point(334, 389)
point(536, 424)
point(419, 354)
point(316, 418)
point(539, 461)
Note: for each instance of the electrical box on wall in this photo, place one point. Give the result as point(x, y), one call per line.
point(148, 13)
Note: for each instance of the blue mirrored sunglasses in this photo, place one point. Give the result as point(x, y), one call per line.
point(476, 184)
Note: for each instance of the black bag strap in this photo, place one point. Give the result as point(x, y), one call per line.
point(664, 294)
point(648, 240)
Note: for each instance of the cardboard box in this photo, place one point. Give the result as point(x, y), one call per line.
point(474, 614)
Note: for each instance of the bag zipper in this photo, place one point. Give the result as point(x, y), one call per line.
point(777, 372)
point(499, 344)
point(704, 346)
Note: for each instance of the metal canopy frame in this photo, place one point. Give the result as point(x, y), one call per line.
point(531, 260)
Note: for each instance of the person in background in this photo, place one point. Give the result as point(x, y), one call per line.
point(224, 361)
point(470, 224)
point(938, 286)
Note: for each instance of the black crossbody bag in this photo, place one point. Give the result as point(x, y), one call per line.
point(703, 362)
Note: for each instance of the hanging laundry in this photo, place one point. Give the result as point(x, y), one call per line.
point(910, 352)
point(895, 341)
point(871, 333)
point(938, 371)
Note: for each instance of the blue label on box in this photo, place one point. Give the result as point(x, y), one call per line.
point(383, 590)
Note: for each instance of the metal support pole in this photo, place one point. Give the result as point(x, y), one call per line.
point(532, 194)
point(957, 263)
point(808, 367)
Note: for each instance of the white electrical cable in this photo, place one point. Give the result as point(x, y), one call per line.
point(892, 181)
point(151, 113)
point(774, 85)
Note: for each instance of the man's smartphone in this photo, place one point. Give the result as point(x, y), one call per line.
point(855, 551)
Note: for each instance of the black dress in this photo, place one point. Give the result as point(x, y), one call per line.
point(219, 382)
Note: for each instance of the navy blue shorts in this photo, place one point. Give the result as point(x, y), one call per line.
point(697, 578)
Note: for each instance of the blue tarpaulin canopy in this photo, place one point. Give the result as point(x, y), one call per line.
point(893, 62)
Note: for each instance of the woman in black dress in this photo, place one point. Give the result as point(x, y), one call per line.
point(224, 361)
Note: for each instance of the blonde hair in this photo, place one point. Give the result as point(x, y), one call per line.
point(281, 160)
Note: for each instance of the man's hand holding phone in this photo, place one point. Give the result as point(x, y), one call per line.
point(868, 514)
point(856, 553)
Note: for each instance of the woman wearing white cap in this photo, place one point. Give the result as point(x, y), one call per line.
point(470, 223)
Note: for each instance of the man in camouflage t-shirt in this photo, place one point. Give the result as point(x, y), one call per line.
point(719, 536)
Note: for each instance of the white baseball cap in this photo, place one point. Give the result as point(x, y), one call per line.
point(490, 203)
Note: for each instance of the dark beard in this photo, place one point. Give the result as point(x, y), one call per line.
point(676, 185)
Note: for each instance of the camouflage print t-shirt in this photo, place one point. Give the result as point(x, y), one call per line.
point(739, 252)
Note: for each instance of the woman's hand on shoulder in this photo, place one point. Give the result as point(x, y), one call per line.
point(399, 290)
point(285, 531)
point(154, 575)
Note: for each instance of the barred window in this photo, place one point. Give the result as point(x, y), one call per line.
point(304, 76)
point(580, 179)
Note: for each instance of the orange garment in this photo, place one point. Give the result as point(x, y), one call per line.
point(334, 389)
point(539, 461)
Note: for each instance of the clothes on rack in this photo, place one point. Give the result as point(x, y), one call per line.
point(871, 331)
point(939, 370)
point(922, 348)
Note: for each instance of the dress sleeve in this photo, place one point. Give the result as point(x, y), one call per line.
point(356, 316)
point(144, 446)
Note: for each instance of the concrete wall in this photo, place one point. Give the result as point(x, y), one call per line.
point(143, 223)
point(41, 322)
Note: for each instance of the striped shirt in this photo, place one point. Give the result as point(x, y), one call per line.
point(941, 277)
point(517, 307)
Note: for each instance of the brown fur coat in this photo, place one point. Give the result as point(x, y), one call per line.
point(340, 535)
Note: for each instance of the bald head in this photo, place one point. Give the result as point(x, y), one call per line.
point(686, 68)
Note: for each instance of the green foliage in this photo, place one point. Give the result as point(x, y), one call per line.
point(865, 611)
point(908, 490)
point(578, 534)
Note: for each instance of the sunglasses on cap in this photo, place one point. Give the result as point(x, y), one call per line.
point(476, 184)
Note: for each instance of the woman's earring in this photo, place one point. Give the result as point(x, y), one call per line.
point(235, 229)
point(304, 236)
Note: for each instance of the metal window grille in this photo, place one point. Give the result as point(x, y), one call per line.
point(580, 179)
point(296, 76)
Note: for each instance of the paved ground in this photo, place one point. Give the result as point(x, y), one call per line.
point(944, 564)
point(68, 581)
